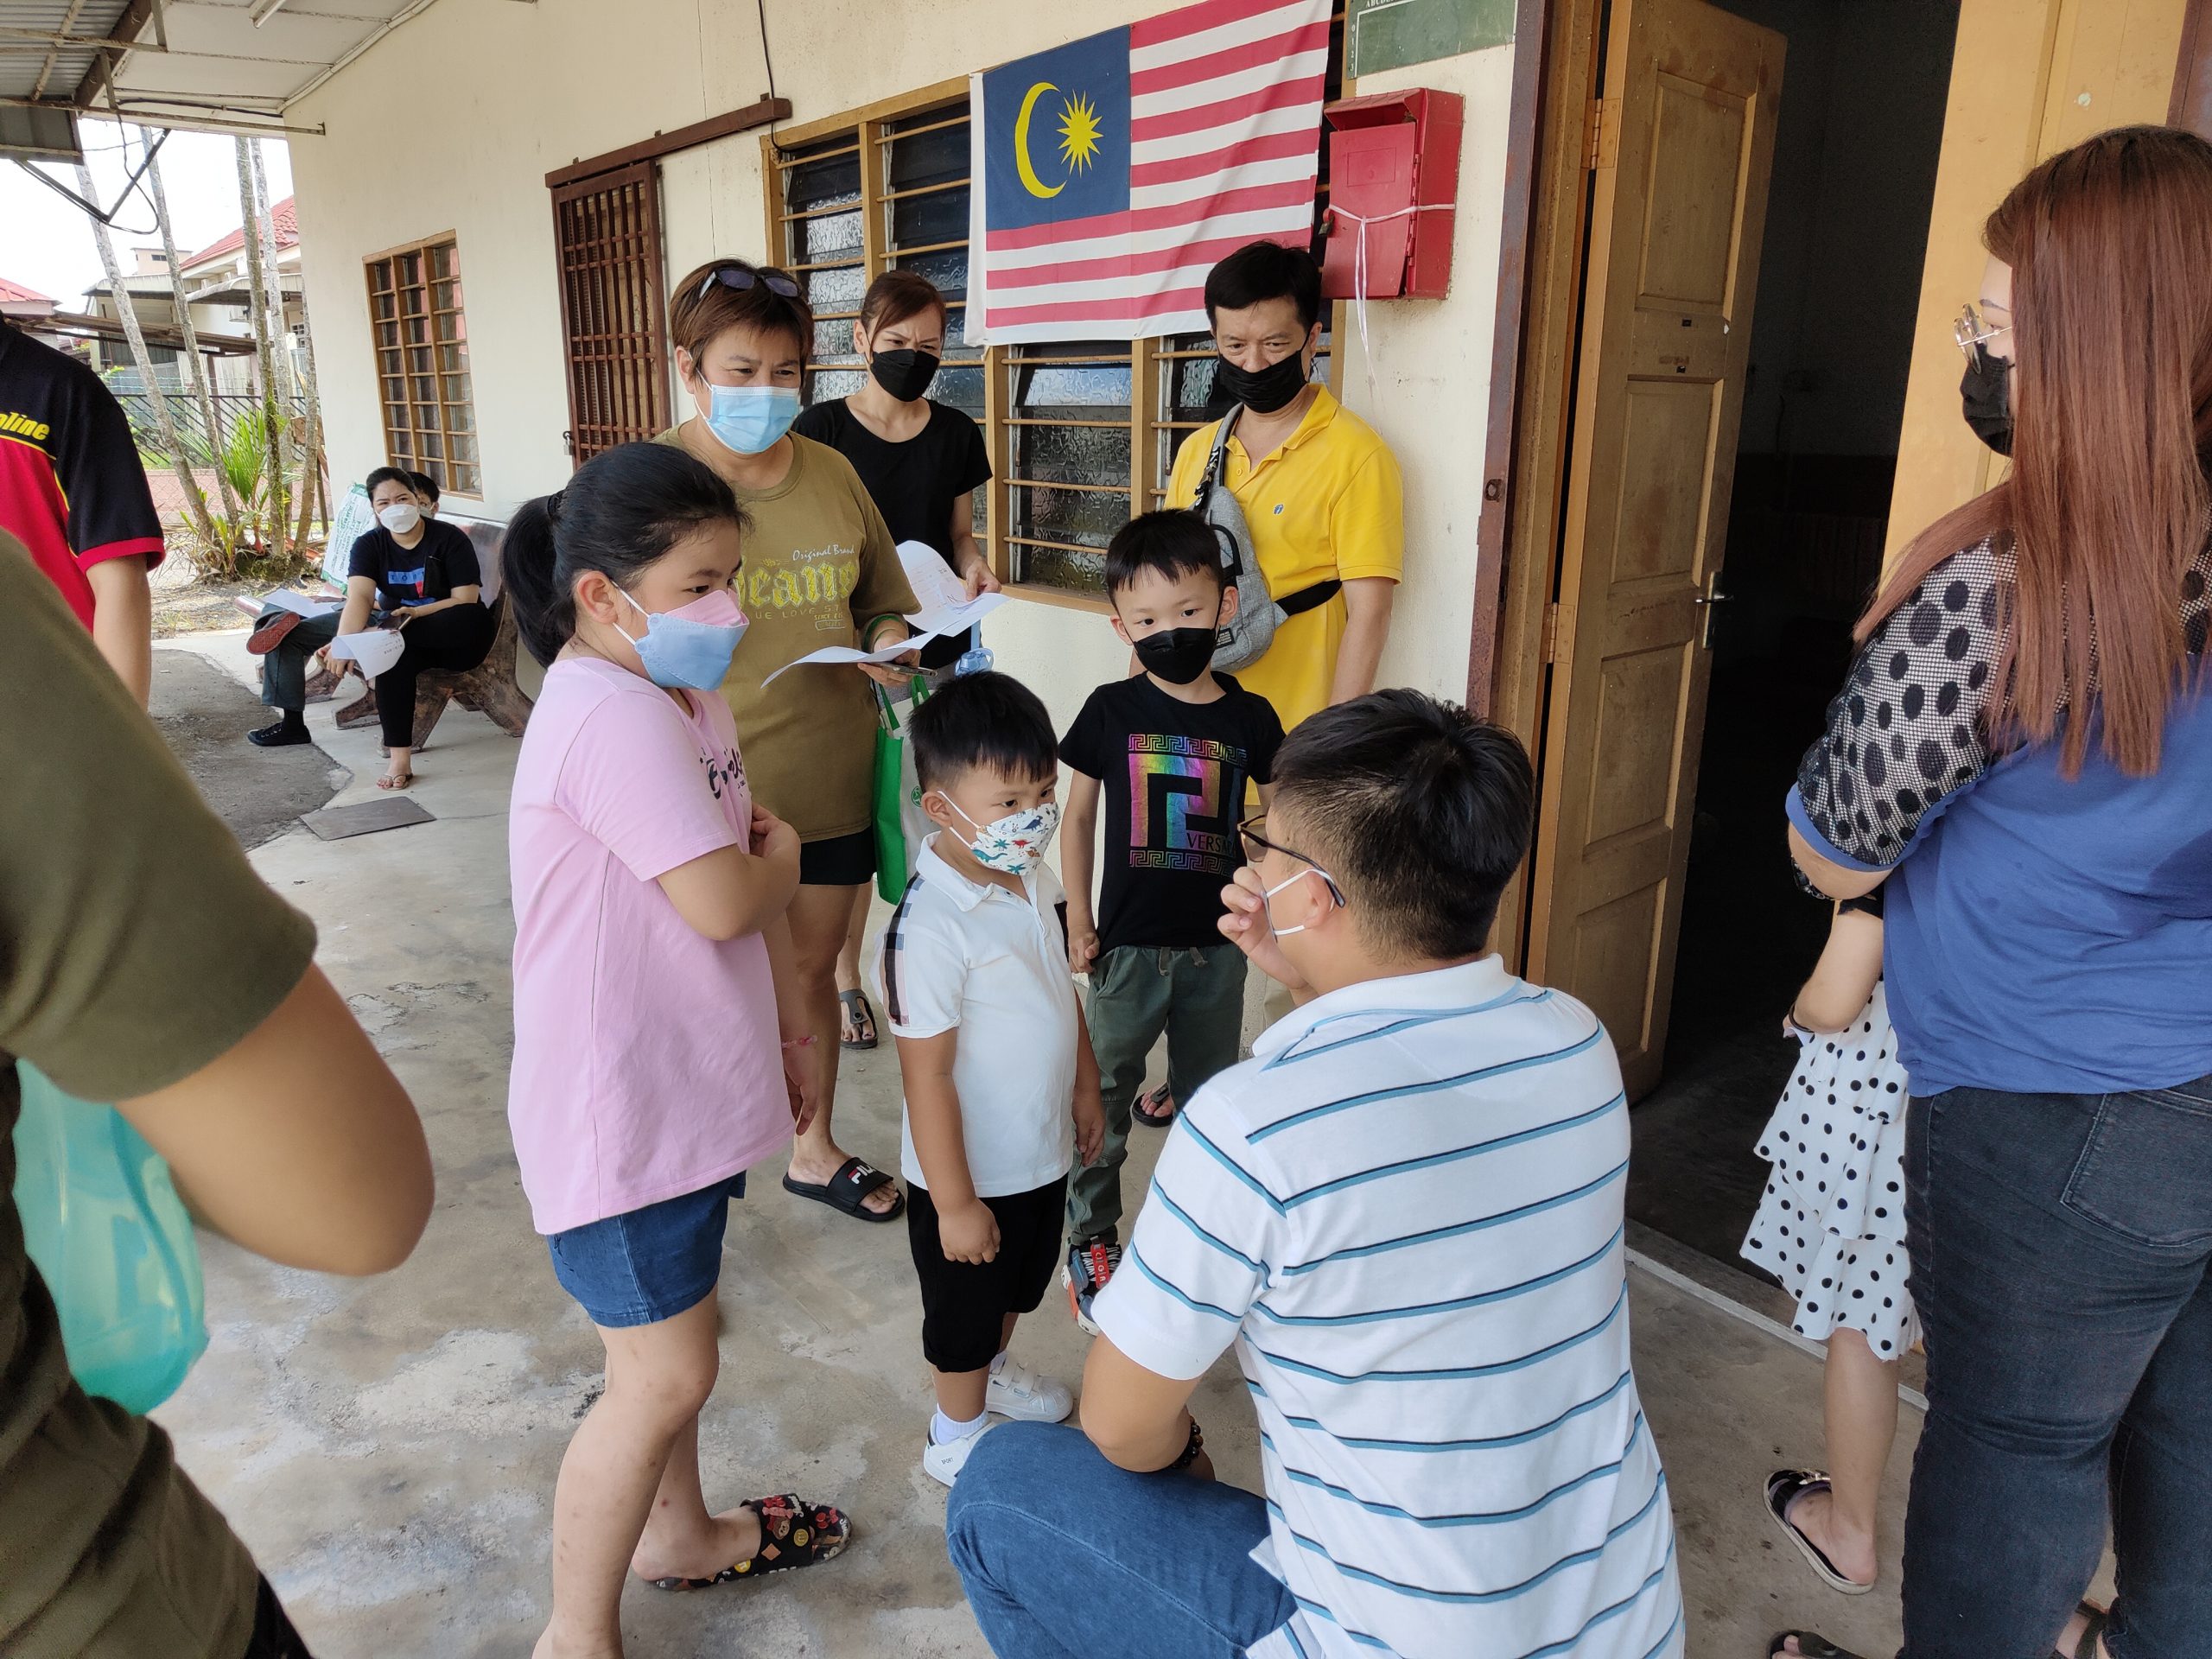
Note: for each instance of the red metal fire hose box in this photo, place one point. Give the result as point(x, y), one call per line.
point(1394, 177)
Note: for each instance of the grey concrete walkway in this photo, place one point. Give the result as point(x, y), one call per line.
point(389, 1448)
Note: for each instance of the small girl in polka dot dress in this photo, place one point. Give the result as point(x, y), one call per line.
point(1831, 1228)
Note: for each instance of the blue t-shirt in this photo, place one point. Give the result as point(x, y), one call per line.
point(2043, 935)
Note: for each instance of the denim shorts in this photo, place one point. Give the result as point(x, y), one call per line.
point(646, 1265)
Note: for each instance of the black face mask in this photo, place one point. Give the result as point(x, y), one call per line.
point(1987, 392)
point(1179, 655)
point(905, 375)
point(1267, 391)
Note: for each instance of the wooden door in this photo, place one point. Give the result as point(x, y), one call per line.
point(606, 229)
point(1681, 150)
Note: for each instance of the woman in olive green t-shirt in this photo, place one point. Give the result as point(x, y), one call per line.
point(146, 963)
point(820, 569)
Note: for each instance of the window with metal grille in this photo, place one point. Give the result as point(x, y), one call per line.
point(421, 348)
point(612, 309)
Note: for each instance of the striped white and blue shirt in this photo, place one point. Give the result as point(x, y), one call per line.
point(1406, 1210)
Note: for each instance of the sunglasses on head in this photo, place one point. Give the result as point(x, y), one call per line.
point(740, 278)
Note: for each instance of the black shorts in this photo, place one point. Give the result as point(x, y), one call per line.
point(964, 1303)
point(840, 862)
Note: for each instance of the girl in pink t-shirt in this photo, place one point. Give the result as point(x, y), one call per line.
point(653, 993)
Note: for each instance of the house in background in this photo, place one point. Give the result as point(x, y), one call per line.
point(216, 281)
point(28, 309)
point(215, 284)
point(24, 307)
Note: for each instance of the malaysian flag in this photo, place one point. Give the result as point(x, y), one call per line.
point(1111, 173)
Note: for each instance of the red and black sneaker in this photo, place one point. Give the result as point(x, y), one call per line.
point(1092, 1263)
point(271, 633)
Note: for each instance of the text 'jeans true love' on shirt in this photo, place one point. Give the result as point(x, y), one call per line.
point(1405, 1211)
point(648, 1059)
point(1172, 775)
point(820, 569)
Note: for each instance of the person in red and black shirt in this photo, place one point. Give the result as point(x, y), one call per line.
point(74, 491)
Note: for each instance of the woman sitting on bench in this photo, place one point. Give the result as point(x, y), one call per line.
point(411, 573)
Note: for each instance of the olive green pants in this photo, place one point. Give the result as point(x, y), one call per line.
point(1194, 994)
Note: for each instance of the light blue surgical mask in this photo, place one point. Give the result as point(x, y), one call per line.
point(749, 419)
point(690, 647)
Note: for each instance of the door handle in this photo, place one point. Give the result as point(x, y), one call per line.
point(1710, 599)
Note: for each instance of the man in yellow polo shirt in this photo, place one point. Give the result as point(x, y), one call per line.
point(1319, 489)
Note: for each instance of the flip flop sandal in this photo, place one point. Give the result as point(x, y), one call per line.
point(2087, 1647)
point(862, 1019)
point(848, 1191)
point(1783, 1488)
point(405, 780)
point(1154, 1110)
point(793, 1533)
point(1808, 1645)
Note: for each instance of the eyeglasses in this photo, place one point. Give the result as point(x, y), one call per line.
point(740, 278)
point(1256, 842)
point(1973, 332)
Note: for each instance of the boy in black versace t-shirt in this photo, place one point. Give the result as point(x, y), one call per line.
point(1171, 750)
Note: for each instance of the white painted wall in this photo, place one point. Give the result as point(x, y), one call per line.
point(451, 123)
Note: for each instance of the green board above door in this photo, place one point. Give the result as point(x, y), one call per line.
point(1382, 34)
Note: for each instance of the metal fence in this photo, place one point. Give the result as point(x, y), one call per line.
point(231, 410)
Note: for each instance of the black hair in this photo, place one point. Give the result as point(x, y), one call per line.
point(1266, 270)
point(623, 510)
point(1170, 543)
point(982, 720)
point(699, 311)
point(390, 475)
point(425, 485)
point(1419, 810)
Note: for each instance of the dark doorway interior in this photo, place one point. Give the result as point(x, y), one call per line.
point(1853, 181)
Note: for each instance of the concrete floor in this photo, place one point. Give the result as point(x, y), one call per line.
point(389, 1448)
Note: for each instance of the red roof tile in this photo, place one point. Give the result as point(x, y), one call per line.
point(288, 235)
point(16, 294)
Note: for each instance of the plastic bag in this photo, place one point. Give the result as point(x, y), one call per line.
point(901, 826)
point(102, 1222)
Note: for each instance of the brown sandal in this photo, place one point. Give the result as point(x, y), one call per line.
point(793, 1533)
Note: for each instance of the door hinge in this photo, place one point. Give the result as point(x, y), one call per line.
point(1551, 632)
point(1604, 129)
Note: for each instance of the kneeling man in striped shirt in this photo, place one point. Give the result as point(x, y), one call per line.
point(1405, 1211)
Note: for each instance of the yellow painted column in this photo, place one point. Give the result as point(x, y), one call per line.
point(2030, 79)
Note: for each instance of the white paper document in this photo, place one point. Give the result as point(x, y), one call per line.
point(945, 606)
point(848, 654)
point(287, 599)
point(376, 650)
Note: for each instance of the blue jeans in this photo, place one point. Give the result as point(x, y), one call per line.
point(1064, 1556)
point(2060, 1246)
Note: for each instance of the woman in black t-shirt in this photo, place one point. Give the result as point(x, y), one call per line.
point(922, 462)
point(424, 577)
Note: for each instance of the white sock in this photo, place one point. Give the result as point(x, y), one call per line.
point(944, 1431)
point(998, 1364)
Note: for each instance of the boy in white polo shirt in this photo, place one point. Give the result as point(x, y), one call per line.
point(1000, 1085)
point(1405, 1211)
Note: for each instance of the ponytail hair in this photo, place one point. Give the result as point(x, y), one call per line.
point(618, 515)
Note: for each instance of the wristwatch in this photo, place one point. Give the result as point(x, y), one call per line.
point(1197, 1444)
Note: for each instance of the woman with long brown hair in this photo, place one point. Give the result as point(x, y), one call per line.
point(2022, 752)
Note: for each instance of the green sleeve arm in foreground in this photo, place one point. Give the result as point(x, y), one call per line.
point(149, 966)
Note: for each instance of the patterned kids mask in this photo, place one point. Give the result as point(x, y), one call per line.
point(1015, 843)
